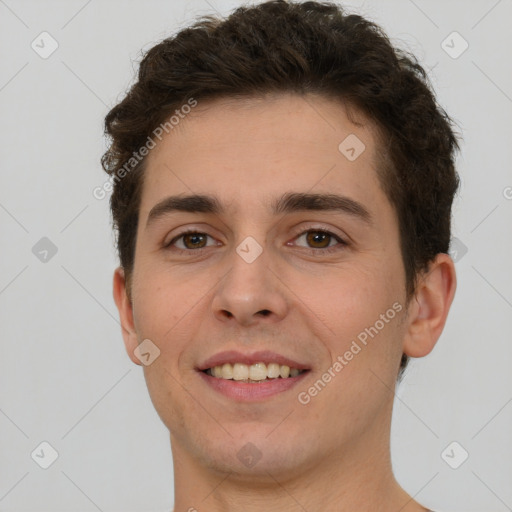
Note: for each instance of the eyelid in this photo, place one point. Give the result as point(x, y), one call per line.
point(323, 229)
point(174, 239)
point(189, 227)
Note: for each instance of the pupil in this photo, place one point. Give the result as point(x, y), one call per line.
point(314, 235)
point(194, 236)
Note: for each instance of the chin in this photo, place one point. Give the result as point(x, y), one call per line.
point(254, 454)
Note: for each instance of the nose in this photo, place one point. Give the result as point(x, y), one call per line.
point(250, 292)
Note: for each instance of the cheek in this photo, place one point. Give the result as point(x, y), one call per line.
point(166, 394)
point(168, 309)
point(164, 314)
point(162, 302)
point(361, 309)
point(345, 297)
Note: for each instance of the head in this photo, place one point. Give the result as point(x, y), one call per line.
point(278, 111)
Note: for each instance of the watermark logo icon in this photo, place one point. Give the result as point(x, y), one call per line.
point(44, 455)
point(147, 352)
point(249, 455)
point(249, 249)
point(457, 249)
point(44, 250)
point(454, 45)
point(454, 455)
point(351, 147)
point(44, 45)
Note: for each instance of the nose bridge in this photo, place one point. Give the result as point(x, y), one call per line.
point(250, 289)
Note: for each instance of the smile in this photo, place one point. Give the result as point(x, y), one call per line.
point(254, 373)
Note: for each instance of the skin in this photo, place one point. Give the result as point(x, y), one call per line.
point(333, 453)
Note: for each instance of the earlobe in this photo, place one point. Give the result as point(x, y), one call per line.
point(429, 308)
point(125, 309)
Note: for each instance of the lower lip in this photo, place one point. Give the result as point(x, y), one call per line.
point(247, 392)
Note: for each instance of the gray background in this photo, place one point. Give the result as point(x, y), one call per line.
point(64, 375)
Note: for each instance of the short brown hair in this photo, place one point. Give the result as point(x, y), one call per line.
point(309, 47)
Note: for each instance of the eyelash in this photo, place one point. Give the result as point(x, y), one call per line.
point(312, 250)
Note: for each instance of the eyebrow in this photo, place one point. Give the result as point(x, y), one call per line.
point(288, 203)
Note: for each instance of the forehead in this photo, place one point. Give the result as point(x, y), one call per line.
point(247, 152)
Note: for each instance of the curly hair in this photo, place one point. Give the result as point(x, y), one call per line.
point(301, 48)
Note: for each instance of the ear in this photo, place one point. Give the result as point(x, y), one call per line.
point(429, 307)
point(124, 306)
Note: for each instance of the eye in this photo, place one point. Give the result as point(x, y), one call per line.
point(190, 240)
point(322, 240)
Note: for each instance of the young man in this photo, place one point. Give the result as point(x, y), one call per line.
point(283, 182)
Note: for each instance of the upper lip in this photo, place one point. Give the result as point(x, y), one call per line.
point(262, 356)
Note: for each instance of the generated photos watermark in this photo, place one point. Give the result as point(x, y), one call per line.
point(137, 156)
point(366, 335)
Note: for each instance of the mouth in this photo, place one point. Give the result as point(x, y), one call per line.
point(255, 373)
point(251, 377)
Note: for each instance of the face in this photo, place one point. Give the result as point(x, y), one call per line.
point(266, 267)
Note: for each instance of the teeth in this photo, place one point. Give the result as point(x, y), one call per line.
point(273, 370)
point(254, 373)
point(240, 371)
point(284, 371)
point(258, 371)
point(227, 371)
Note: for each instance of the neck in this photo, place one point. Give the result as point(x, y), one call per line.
point(359, 479)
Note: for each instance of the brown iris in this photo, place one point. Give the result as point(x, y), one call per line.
point(194, 237)
point(314, 237)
